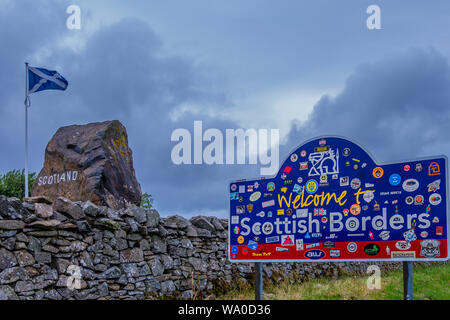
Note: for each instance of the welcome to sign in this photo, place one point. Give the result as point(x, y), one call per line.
point(330, 201)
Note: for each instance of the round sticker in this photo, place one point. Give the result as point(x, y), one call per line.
point(409, 200)
point(410, 185)
point(303, 153)
point(355, 209)
point(435, 199)
point(418, 167)
point(407, 167)
point(395, 179)
point(255, 196)
point(377, 172)
point(270, 186)
point(233, 187)
point(355, 183)
point(418, 199)
point(311, 186)
point(294, 157)
point(234, 250)
point(300, 180)
point(267, 228)
point(368, 196)
point(352, 247)
point(236, 230)
point(240, 239)
point(346, 152)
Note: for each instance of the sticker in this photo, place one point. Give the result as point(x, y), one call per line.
point(418, 200)
point(303, 153)
point(344, 181)
point(234, 250)
point(435, 199)
point(270, 186)
point(269, 203)
point(368, 196)
point(282, 249)
point(410, 235)
point(406, 167)
point(234, 219)
point(429, 248)
point(384, 235)
point(233, 187)
point(395, 179)
point(418, 167)
point(303, 166)
point(378, 172)
point(242, 189)
point(314, 254)
point(409, 200)
point(311, 186)
point(335, 253)
point(439, 230)
point(352, 247)
point(287, 240)
point(403, 254)
point(297, 189)
point(250, 188)
point(301, 213)
point(234, 196)
point(355, 183)
point(355, 209)
point(267, 228)
point(299, 244)
point(372, 249)
point(250, 208)
point(346, 152)
point(261, 214)
point(402, 245)
point(280, 212)
point(236, 230)
point(410, 185)
point(294, 157)
point(240, 209)
point(255, 196)
point(434, 186)
point(424, 234)
point(252, 245)
point(273, 239)
point(240, 239)
point(287, 169)
point(300, 180)
point(434, 169)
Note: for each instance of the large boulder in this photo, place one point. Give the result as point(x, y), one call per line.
point(90, 162)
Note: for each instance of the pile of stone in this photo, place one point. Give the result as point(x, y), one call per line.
point(77, 250)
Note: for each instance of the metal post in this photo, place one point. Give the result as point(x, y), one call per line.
point(258, 281)
point(407, 280)
point(26, 129)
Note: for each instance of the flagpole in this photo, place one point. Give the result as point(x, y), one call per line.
point(26, 129)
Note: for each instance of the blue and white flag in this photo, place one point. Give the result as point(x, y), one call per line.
point(42, 79)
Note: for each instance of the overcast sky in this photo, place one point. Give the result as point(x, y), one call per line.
point(307, 68)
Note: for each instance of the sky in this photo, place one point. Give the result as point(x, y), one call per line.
point(306, 68)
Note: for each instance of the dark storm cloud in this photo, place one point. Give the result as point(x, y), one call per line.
point(122, 73)
point(397, 107)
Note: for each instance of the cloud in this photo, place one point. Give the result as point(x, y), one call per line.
point(397, 107)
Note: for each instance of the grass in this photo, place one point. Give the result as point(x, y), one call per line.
point(430, 283)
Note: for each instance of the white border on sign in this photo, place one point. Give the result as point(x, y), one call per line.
point(342, 260)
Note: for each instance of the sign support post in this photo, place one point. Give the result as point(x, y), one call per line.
point(258, 281)
point(407, 280)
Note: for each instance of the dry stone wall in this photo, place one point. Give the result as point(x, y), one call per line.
point(77, 250)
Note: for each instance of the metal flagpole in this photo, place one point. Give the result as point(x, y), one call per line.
point(27, 102)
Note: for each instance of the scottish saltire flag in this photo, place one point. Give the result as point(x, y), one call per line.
point(42, 79)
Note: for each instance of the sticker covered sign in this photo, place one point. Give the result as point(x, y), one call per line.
point(330, 201)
